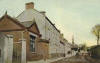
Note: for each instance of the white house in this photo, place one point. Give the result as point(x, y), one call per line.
point(46, 27)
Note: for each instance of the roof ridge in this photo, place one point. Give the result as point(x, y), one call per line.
point(52, 24)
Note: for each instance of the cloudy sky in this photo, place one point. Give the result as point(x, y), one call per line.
point(72, 17)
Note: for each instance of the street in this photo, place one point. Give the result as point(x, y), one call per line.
point(78, 59)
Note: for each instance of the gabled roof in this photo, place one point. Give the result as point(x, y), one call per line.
point(23, 25)
point(12, 22)
point(13, 19)
point(31, 14)
point(32, 26)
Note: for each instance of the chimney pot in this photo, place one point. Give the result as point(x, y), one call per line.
point(30, 5)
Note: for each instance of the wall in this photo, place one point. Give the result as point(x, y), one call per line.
point(2, 49)
point(47, 30)
point(17, 35)
point(6, 46)
point(43, 50)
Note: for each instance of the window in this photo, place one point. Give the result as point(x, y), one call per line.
point(32, 43)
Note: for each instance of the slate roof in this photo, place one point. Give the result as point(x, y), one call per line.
point(52, 24)
point(31, 14)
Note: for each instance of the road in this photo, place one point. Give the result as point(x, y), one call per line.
point(78, 59)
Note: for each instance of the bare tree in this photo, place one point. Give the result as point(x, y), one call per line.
point(96, 32)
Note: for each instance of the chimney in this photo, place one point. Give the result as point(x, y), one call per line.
point(43, 12)
point(30, 5)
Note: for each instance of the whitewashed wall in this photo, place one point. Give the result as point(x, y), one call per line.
point(6, 46)
point(46, 29)
point(2, 48)
point(23, 53)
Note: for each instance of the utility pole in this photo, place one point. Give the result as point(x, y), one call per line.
point(98, 37)
point(73, 40)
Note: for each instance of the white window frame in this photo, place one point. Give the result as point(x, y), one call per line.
point(34, 43)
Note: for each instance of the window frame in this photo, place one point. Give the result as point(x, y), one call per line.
point(34, 35)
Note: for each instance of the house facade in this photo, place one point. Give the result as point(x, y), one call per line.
point(43, 40)
point(47, 29)
point(27, 31)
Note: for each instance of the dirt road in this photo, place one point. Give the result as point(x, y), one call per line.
point(78, 59)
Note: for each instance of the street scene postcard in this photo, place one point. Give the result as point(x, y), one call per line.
point(49, 31)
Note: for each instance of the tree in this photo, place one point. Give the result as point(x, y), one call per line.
point(96, 32)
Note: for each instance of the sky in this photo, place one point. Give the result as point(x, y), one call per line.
point(73, 17)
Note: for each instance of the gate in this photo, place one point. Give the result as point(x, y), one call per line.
point(17, 49)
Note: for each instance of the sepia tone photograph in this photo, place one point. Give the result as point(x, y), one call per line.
point(49, 31)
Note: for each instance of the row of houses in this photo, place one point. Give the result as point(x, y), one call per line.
point(42, 39)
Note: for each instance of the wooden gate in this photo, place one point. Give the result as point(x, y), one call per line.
point(17, 49)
